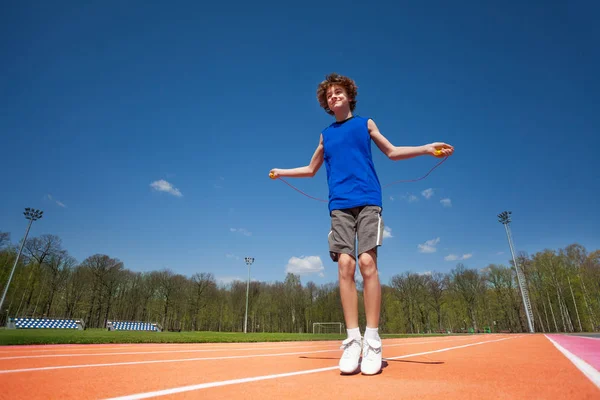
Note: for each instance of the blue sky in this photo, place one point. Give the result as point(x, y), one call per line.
point(102, 101)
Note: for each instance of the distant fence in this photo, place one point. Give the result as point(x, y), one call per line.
point(45, 323)
point(133, 326)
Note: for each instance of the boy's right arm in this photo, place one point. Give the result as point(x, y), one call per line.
point(303, 172)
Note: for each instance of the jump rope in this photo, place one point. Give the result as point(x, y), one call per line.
point(438, 153)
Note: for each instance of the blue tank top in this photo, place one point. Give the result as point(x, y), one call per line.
point(351, 174)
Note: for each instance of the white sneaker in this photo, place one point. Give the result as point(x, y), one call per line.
point(351, 355)
point(371, 357)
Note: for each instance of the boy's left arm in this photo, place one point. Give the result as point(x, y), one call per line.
point(403, 152)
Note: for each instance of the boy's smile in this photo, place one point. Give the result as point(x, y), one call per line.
point(337, 98)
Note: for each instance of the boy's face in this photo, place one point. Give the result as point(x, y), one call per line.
point(337, 98)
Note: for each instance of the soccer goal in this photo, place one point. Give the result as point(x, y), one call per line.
point(328, 327)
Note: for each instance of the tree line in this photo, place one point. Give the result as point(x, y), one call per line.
point(563, 286)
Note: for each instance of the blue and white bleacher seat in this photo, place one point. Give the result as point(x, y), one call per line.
point(45, 323)
point(132, 326)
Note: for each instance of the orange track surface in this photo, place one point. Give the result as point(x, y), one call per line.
point(498, 367)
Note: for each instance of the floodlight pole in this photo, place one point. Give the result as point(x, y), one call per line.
point(504, 219)
point(249, 261)
point(32, 215)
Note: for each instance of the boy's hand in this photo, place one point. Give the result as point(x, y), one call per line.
point(274, 174)
point(439, 149)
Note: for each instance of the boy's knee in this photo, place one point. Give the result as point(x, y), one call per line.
point(346, 266)
point(368, 264)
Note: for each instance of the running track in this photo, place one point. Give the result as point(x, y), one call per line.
point(455, 367)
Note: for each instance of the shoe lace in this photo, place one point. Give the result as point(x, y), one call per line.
point(369, 349)
point(348, 343)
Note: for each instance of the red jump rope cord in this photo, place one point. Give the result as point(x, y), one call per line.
point(389, 184)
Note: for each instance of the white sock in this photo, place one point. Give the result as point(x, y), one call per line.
point(372, 333)
point(354, 333)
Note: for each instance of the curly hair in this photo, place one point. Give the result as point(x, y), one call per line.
point(335, 79)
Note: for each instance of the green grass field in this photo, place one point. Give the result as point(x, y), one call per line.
point(96, 336)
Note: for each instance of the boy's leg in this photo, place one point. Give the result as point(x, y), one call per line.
point(370, 236)
point(372, 287)
point(342, 239)
point(348, 295)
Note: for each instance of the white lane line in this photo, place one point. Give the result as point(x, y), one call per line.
point(284, 375)
point(336, 346)
point(583, 366)
point(205, 345)
point(87, 347)
point(9, 371)
point(196, 346)
point(147, 352)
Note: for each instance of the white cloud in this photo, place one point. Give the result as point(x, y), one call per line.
point(411, 198)
point(446, 202)
point(226, 280)
point(164, 186)
point(454, 257)
point(429, 246)
point(427, 193)
point(305, 265)
point(232, 256)
point(499, 253)
point(387, 232)
point(391, 198)
point(425, 273)
point(59, 203)
point(218, 184)
point(243, 231)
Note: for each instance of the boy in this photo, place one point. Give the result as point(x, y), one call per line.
point(355, 205)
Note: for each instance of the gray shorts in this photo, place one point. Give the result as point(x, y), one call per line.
point(363, 224)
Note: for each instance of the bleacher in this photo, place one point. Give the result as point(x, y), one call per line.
point(44, 323)
point(132, 326)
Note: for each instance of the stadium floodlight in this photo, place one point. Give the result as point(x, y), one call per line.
point(504, 219)
point(32, 215)
point(249, 261)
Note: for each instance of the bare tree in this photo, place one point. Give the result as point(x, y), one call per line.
point(170, 290)
point(149, 289)
point(436, 285)
point(577, 258)
point(38, 249)
point(409, 288)
point(500, 279)
point(105, 271)
point(468, 283)
point(200, 283)
point(564, 291)
point(59, 265)
point(77, 285)
point(4, 239)
point(293, 302)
